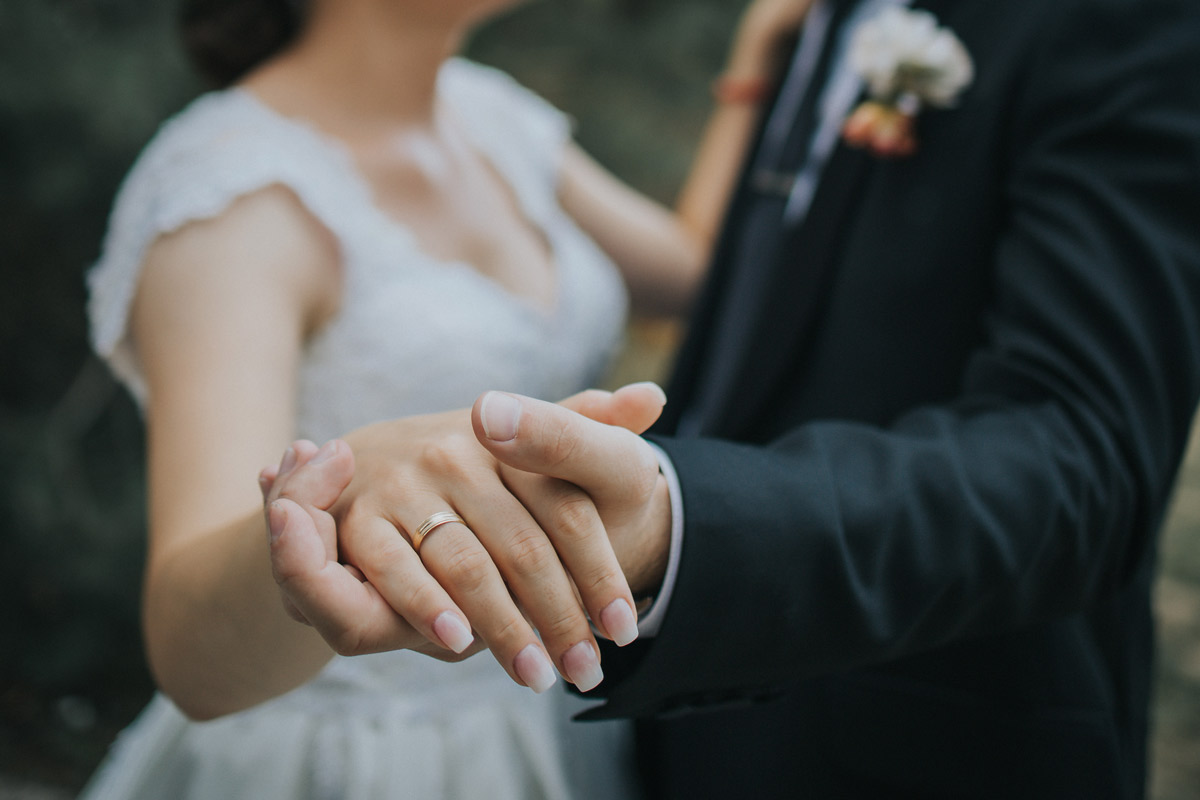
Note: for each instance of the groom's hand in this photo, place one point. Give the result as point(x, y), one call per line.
point(547, 445)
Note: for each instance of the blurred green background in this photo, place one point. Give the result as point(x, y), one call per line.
point(83, 85)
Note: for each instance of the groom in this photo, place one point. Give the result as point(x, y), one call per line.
point(924, 428)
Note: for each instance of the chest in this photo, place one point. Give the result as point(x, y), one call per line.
point(461, 210)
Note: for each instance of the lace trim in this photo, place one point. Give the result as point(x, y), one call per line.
point(227, 145)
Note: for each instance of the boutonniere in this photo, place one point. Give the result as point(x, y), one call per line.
point(907, 62)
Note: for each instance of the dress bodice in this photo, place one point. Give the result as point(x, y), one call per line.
point(414, 334)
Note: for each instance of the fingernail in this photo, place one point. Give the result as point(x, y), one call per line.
point(277, 519)
point(662, 396)
point(453, 632)
point(583, 667)
point(500, 414)
point(327, 451)
point(619, 622)
point(289, 460)
point(534, 669)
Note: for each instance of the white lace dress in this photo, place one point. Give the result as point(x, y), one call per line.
point(414, 335)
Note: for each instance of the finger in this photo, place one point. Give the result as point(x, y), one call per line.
point(383, 553)
point(634, 407)
point(266, 480)
point(571, 520)
point(315, 478)
point(277, 522)
point(458, 561)
point(318, 477)
point(297, 454)
point(349, 614)
point(609, 463)
point(529, 563)
point(304, 456)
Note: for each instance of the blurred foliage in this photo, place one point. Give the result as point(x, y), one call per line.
point(83, 85)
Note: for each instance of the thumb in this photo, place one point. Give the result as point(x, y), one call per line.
point(296, 548)
point(634, 407)
point(610, 463)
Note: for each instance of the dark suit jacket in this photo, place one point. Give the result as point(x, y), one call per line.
point(919, 547)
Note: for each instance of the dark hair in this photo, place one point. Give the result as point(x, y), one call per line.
point(225, 39)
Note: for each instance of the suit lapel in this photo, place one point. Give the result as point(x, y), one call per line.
point(799, 278)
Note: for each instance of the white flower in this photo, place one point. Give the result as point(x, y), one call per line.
point(903, 52)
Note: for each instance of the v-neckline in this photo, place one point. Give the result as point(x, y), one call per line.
point(353, 173)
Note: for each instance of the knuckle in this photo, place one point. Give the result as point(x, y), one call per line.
point(561, 446)
point(449, 458)
point(511, 633)
point(530, 552)
point(346, 642)
point(575, 517)
point(599, 582)
point(419, 600)
point(641, 473)
point(469, 569)
point(565, 626)
point(390, 553)
point(351, 514)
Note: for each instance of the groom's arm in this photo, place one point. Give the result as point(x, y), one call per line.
point(1033, 493)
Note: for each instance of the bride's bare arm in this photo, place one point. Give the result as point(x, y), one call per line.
point(221, 313)
point(663, 252)
point(221, 316)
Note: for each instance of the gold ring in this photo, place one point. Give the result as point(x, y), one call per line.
point(431, 522)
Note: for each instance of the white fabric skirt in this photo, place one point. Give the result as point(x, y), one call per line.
point(395, 725)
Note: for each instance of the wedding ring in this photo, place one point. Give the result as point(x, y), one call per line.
point(431, 522)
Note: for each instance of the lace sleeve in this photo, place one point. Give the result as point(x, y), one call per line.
point(219, 149)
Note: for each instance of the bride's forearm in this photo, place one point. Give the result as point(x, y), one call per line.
point(217, 636)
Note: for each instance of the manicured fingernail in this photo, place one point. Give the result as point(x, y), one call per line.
point(289, 460)
point(277, 518)
point(619, 622)
point(583, 667)
point(534, 668)
point(453, 632)
point(327, 451)
point(500, 414)
point(657, 389)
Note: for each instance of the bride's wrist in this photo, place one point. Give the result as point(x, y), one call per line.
point(732, 89)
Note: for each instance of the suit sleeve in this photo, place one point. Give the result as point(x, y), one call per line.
point(1034, 492)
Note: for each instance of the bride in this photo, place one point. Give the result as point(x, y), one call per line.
point(357, 226)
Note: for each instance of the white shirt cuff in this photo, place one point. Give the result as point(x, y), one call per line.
point(651, 621)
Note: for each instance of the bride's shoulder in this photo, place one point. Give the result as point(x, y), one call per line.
point(496, 102)
point(484, 88)
point(225, 145)
point(217, 128)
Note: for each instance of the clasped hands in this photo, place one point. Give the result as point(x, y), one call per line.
point(566, 519)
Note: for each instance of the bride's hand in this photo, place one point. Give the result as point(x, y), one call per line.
point(409, 469)
point(351, 615)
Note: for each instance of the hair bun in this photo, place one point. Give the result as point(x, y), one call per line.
point(225, 39)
